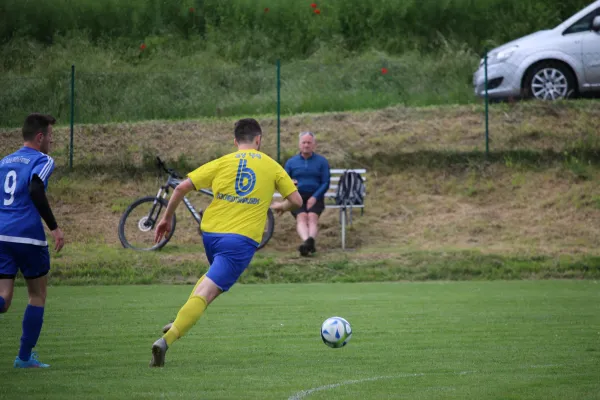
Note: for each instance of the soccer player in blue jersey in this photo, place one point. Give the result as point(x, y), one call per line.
point(311, 173)
point(243, 184)
point(23, 181)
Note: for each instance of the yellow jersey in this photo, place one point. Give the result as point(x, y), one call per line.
point(243, 184)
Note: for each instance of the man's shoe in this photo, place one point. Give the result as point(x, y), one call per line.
point(303, 249)
point(32, 363)
point(159, 350)
point(310, 243)
point(168, 326)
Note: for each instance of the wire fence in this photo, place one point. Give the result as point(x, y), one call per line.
point(92, 97)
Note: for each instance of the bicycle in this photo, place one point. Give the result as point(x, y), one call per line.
point(145, 213)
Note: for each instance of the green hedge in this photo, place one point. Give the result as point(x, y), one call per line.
point(288, 28)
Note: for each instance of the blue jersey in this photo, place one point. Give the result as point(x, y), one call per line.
point(20, 221)
point(312, 174)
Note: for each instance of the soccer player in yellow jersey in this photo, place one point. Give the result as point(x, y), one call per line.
point(243, 184)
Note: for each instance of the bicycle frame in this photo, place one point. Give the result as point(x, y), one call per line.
point(173, 182)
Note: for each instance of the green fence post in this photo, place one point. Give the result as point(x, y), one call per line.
point(487, 111)
point(279, 111)
point(72, 114)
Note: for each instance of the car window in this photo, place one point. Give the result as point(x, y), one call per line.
point(583, 25)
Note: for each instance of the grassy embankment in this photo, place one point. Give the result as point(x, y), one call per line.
point(436, 208)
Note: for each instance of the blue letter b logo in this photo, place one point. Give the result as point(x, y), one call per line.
point(245, 179)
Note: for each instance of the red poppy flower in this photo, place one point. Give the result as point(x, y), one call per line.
point(143, 46)
point(317, 11)
point(266, 9)
point(192, 10)
point(384, 70)
point(314, 5)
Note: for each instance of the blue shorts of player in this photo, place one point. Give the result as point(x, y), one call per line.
point(33, 261)
point(229, 255)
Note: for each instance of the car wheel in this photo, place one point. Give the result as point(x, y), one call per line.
point(549, 81)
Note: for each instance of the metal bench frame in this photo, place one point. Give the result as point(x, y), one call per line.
point(345, 216)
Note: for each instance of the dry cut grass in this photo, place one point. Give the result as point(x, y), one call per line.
point(429, 185)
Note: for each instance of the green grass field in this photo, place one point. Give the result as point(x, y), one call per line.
point(468, 340)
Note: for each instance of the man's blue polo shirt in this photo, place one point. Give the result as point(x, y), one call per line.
point(312, 174)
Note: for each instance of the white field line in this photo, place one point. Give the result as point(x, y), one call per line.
point(305, 393)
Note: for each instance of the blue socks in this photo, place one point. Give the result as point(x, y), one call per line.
point(32, 326)
point(2, 303)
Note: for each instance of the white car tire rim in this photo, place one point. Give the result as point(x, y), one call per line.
point(549, 84)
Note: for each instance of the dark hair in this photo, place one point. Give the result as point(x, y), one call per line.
point(36, 123)
point(246, 130)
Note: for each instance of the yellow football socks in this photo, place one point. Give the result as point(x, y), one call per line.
point(187, 317)
point(197, 283)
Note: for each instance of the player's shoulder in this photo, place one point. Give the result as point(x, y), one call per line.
point(6, 158)
point(27, 157)
point(34, 154)
point(13, 154)
point(227, 158)
point(43, 159)
point(269, 160)
point(265, 156)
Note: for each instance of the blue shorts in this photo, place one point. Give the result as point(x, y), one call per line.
point(33, 261)
point(229, 255)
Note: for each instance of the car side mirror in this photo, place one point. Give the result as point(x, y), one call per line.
point(596, 24)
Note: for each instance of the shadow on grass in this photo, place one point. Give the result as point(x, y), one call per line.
point(382, 162)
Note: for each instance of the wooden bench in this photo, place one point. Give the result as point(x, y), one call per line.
point(345, 211)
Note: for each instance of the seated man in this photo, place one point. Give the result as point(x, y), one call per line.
point(310, 172)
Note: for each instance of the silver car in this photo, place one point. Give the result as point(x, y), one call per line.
point(547, 65)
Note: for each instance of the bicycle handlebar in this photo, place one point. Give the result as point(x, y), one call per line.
point(174, 174)
point(169, 171)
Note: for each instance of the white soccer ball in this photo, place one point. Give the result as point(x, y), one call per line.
point(336, 332)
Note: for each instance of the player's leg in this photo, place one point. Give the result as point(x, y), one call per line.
point(8, 272)
point(193, 292)
point(168, 326)
point(231, 257)
point(210, 258)
point(204, 294)
point(33, 319)
point(35, 266)
point(187, 316)
point(209, 246)
point(7, 284)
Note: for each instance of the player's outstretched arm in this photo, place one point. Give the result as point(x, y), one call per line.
point(292, 202)
point(37, 193)
point(164, 226)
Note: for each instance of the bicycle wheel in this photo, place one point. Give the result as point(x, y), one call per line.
point(269, 229)
point(136, 227)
